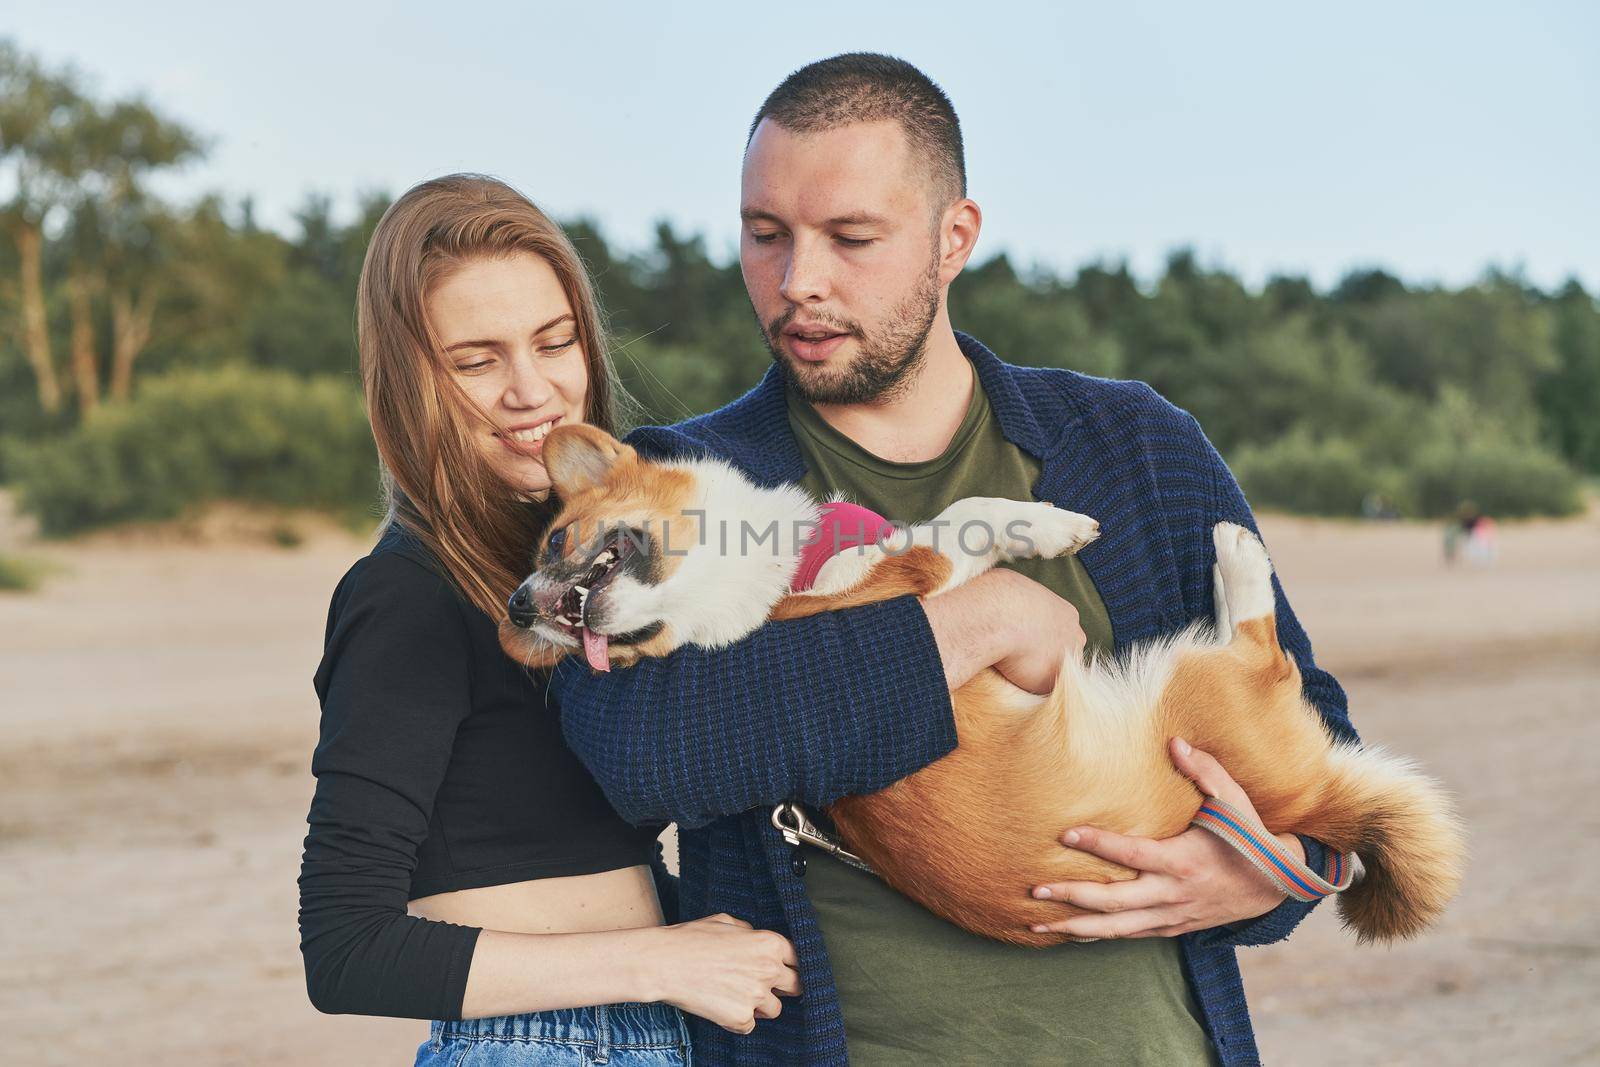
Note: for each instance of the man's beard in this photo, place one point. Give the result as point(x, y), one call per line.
point(884, 361)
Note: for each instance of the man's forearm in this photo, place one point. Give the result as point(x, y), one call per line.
point(1001, 619)
point(967, 628)
point(841, 703)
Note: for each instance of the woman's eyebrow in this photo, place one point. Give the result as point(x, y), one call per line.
point(472, 344)
point(558, 320)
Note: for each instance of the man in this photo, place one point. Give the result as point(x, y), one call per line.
point(856, 222)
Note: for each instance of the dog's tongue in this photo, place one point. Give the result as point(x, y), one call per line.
point(595, 649)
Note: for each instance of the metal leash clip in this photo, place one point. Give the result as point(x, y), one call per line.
point(797, 829)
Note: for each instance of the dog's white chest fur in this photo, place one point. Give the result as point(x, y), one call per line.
point(737, 566)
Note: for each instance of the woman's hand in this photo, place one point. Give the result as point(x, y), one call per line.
point(723, 969)
point(1189, 882)
point(1001, 619)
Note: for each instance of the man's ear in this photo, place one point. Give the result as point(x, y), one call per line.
point(579, 456)
point(958, 236)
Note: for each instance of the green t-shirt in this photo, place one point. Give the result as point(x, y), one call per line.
point(913, 988)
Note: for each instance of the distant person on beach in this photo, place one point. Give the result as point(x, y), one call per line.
point(1470, 534)
point(461, 865)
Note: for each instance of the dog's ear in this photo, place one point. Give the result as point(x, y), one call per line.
point(579, 456)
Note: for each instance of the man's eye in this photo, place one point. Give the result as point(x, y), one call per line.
point(854, 242)
point(763, 238)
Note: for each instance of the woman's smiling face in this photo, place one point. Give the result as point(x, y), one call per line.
point(507, 329)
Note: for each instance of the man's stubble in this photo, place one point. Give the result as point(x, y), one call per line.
point(884, 361)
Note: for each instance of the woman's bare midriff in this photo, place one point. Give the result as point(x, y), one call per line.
point(623, 899)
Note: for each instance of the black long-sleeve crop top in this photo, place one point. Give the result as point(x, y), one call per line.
point(441, 766)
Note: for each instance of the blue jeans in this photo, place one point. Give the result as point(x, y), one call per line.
point(622, 1035)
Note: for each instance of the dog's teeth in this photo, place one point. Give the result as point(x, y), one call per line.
point(583, 590)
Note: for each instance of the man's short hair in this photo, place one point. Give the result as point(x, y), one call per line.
point(867, 87)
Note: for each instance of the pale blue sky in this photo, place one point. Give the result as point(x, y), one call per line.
point(1432, 139)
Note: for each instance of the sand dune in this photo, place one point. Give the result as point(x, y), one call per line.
point(159, 719)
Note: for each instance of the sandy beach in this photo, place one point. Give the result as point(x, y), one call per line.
point(159, 719)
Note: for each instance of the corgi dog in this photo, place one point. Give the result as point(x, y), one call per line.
point(645, 557)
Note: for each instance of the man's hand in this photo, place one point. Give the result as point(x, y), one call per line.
point(1001, 619)
point(1189, 882)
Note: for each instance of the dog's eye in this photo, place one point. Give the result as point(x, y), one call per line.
point(557, 540)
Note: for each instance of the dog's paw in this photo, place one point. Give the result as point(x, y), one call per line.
point(1046, 531)
point(624, 656)
point(1243, 575)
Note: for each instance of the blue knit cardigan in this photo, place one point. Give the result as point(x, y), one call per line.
point(848, 702)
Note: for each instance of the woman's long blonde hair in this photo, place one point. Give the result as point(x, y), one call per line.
point(437, 483)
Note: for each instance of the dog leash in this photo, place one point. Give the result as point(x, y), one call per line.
point(1235, 829)
point(798, 829)
point(1269, 856)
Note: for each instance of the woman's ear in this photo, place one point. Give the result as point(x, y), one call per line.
point(579, 456)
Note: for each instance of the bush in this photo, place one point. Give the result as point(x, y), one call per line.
point(1311, 477)
point(189, 437)
point(1503, 479)
point(21, 574)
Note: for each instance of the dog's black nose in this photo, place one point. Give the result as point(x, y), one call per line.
point(520, 607)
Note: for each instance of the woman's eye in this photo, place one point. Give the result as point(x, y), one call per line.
point(556, 349)
point(468, 367)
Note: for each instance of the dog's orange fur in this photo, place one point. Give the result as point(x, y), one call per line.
point(971, 834)
point(653, 496)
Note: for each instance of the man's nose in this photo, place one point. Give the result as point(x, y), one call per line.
point(805, 275)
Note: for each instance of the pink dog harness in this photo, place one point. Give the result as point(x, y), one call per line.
point(840, 525)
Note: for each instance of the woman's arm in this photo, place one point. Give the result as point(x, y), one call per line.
point(395, 686)
point(719, 968)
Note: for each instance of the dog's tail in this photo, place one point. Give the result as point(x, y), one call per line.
point(1403, 826)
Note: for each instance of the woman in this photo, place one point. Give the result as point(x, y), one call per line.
point(461, 865)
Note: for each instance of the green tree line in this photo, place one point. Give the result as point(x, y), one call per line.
point(154, 355)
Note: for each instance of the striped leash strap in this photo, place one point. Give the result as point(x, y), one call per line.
point(1264, 851)
point(1271, 858)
